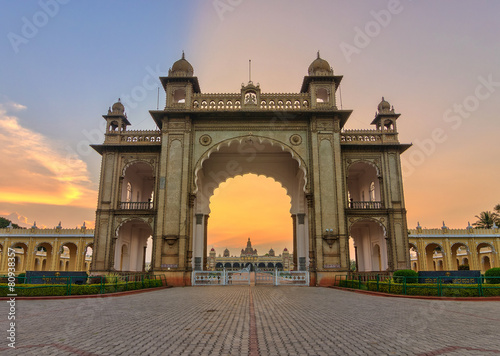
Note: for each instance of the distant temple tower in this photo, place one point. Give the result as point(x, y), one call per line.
point(342, 183)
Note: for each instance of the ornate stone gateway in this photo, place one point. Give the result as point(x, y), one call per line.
point(342, 183)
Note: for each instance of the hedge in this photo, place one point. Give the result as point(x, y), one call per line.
point(493, 272)
point(411, 276)
point(35, 290)
point(431, 289)
point(352, 283)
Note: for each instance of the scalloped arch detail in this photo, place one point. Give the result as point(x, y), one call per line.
point(238, 140)
point(372, 164)
point(132, 220)
point(136, 161)
point(360, 220)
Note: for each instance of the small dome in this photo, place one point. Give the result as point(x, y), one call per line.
point(320, 67)
point(118, 108)
point(384, 106)
point(285, 249)
point(181, 68)
point(213, 249)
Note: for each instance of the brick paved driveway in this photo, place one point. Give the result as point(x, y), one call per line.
point(260, 320)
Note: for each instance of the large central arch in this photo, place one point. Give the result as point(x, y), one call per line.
point(242, 155)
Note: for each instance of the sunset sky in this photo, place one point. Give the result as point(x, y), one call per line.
point(63, 63)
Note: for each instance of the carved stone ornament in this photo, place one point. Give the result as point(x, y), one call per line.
point(205, 140)
point(330, 238)
point(295, 140)
point(171, 239)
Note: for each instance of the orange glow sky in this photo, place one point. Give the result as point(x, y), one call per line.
point(55, 89)
point(250, 206)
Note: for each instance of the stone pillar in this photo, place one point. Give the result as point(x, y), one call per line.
point(301, 243)
point(205, 235)
point(295, 260)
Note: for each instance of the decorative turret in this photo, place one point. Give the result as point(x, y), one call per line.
point(179, 86)
point(116, 119)
point(226, 253)
point(320, 67)
point(385, 117)
point(321, 83)
point(181, 68)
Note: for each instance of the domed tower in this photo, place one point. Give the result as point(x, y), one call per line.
point(211, 260)
point(321, 83)
point(286, 260)
point(385, 117)
point(116, 119)
point(179, 86)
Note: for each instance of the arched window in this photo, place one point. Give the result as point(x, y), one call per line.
point(179, 96)
point(129, 192)
point(322, 95)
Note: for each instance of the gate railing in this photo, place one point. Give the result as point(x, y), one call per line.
point(265, 277)
point(243, 277)
point(295, 278)
point(208, 278)
point(237, 277)
point(221, 278)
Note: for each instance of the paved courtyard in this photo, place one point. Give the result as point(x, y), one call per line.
point(262, 320)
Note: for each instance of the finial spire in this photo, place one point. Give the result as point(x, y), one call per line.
point(249, 70)
point(318, 54)
point(183, 54)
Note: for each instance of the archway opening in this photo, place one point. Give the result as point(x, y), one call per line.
point(433, 253)
point(370, 246)
point(68, 254)
point(363, 186)
point(414, 257)
point(44, 250)
point(131, 244)
point(250, 220)
point(486, 255)
point(460, 254)
point(21, 257)
point(137, 187)
point(89, 250)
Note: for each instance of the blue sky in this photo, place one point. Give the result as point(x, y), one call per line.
point(428, 57)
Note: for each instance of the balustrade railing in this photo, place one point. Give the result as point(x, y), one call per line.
point(366, 205)
point(136, 205)
point(231, 102)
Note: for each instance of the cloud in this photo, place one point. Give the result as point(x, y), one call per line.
point(16, 218)
point(35, 170)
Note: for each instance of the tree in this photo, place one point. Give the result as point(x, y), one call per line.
point(6, 222)
point(486, 219)
point(497, 208)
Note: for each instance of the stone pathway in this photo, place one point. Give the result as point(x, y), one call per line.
point(257, 320)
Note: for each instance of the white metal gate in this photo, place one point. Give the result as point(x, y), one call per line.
point(263, 277)
point(292, 278)
point(221, 278)
point(243, 277)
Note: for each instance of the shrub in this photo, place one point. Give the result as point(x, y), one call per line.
point(493, 272)
point(36, 290)
point(21, 278)
point(410, 275)
point(463, 268)
point(351, 284)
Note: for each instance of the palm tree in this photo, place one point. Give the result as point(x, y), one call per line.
point(486, 219)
